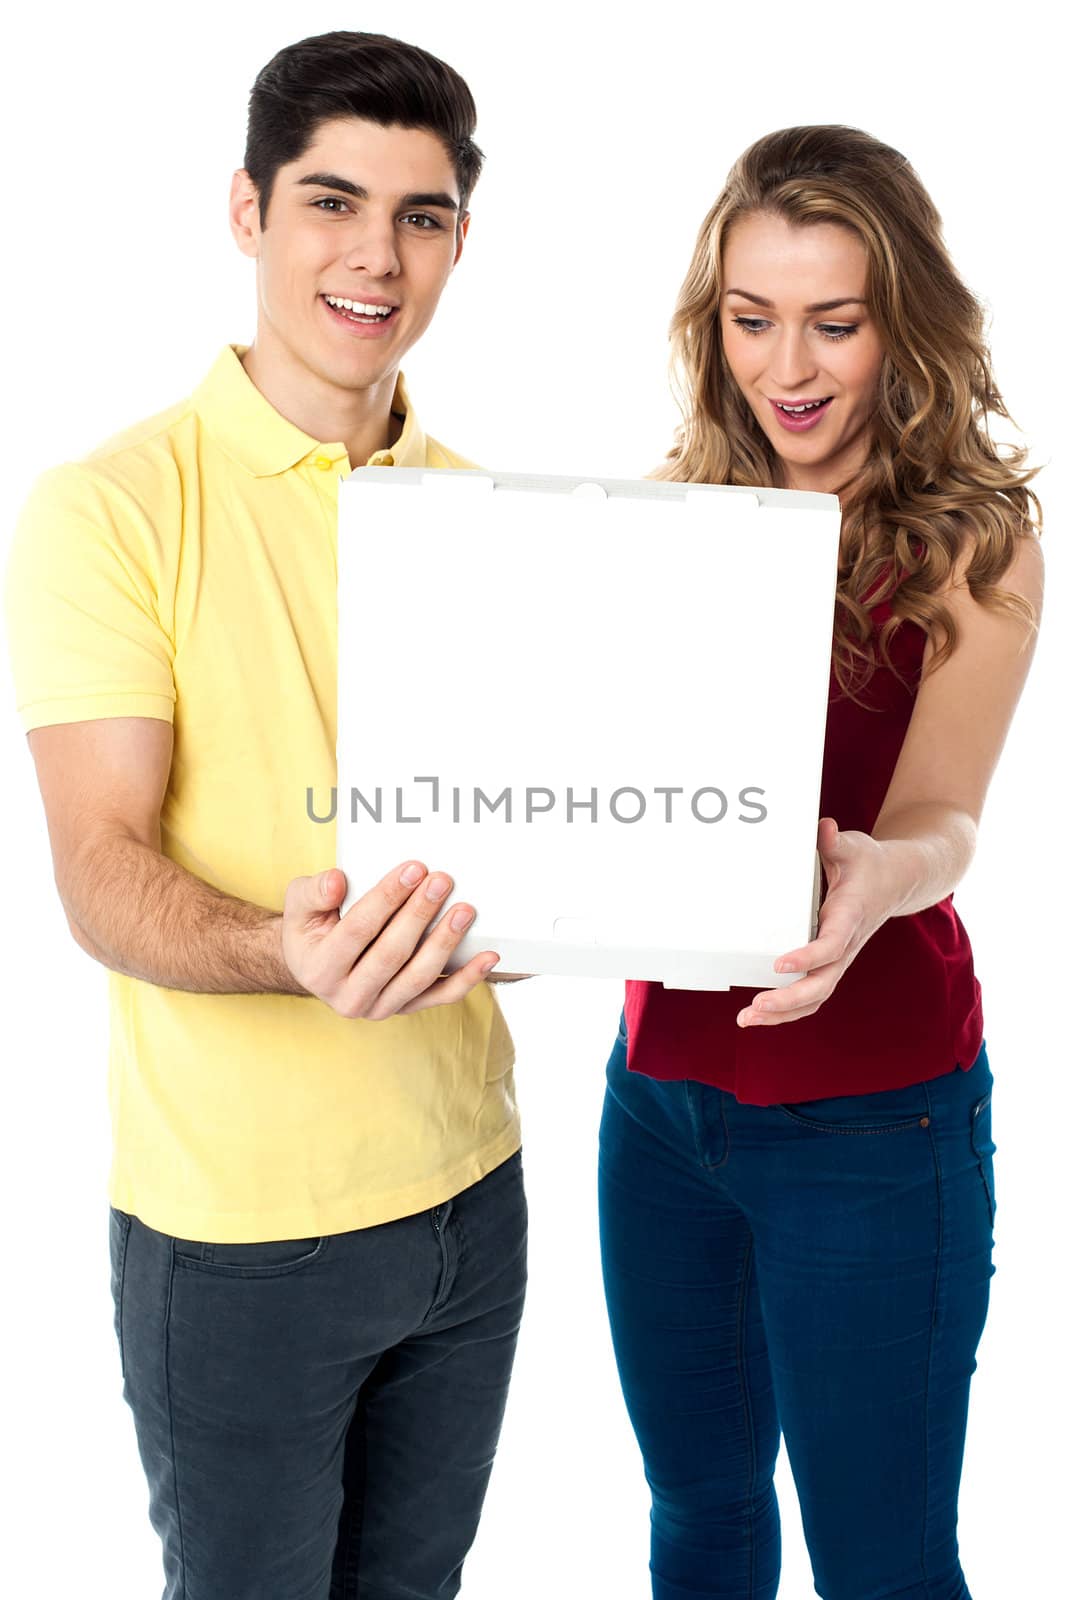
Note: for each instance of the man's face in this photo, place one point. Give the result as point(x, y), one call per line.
point(367, 214)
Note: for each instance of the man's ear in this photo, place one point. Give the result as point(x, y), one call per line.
point(460, 237)
point(244, 213)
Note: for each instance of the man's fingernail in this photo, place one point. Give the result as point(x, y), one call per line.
point(410, 874)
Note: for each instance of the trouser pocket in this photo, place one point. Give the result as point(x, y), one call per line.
point(984, 1148)
point(119, 1230)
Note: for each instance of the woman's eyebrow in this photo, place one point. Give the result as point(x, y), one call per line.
point(822, 305)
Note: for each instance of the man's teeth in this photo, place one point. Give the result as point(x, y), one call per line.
point(808, 407)
point(358, 307)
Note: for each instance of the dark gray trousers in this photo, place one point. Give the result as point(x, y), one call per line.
point(318, 1418)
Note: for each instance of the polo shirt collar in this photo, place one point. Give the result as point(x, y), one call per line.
point(251, 432)
point(410, 449)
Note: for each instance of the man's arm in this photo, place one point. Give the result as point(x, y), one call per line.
point(139, 913)
point(127, 904)
point(149, 918)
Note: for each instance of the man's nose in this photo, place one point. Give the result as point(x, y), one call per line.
point(374, 251)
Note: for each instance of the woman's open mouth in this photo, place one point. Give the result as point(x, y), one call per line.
point(801, 418)
point(362, 317)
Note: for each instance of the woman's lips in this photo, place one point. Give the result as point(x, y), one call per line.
point(804, 421)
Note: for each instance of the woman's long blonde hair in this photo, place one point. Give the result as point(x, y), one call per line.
point(933, 476)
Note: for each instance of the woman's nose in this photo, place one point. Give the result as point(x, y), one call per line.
point(793, 362)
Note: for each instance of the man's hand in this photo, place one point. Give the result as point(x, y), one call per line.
point(362, 964)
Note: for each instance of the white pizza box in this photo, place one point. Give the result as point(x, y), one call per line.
point(598, 704)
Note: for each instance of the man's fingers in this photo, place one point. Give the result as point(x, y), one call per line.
point(387, 924)
point(309, 898)
point(393, 971)
point(321, 946)
point(376, 961)
point(371, 912)
point(455, 986)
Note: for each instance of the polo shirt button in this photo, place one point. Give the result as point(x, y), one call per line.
point(323, 463)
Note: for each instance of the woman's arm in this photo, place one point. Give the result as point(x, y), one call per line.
point(924, 837)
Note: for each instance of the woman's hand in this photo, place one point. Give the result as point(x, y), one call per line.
point(860, 899)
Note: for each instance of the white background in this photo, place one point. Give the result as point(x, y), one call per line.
point(608, 135)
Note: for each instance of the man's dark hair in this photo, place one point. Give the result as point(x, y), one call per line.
point(364, 75)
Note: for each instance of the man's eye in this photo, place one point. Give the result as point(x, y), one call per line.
point(330, 200)
point(422, 218)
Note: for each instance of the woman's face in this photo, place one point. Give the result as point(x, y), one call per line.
point(794, 328)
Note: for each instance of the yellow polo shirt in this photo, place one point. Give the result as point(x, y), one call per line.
point(186, 570)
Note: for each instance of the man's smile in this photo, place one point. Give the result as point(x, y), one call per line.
point(372, 317)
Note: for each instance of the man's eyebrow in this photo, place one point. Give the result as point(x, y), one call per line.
point(445, 201)
point(330, 180)
point(822, 305)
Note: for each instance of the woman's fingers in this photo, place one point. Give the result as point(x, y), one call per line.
point(798, 1000)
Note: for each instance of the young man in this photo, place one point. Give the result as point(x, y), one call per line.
point(318, 1222)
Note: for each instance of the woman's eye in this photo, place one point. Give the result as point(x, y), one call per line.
point(831, 330)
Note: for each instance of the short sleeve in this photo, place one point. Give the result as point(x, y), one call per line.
point(82, 604)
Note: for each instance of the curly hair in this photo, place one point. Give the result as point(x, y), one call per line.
point(933, 481)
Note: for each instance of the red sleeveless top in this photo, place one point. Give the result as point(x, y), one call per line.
point(909, 1005)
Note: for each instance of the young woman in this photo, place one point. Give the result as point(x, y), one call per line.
point(796, 1186)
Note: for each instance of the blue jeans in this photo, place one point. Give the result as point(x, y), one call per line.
point(822, 1268)
point(318, 1418)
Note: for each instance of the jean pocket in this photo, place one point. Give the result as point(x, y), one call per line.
point(268, 1258)
point(119, 1238)
point(884, 1111)
point(984, 1148)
